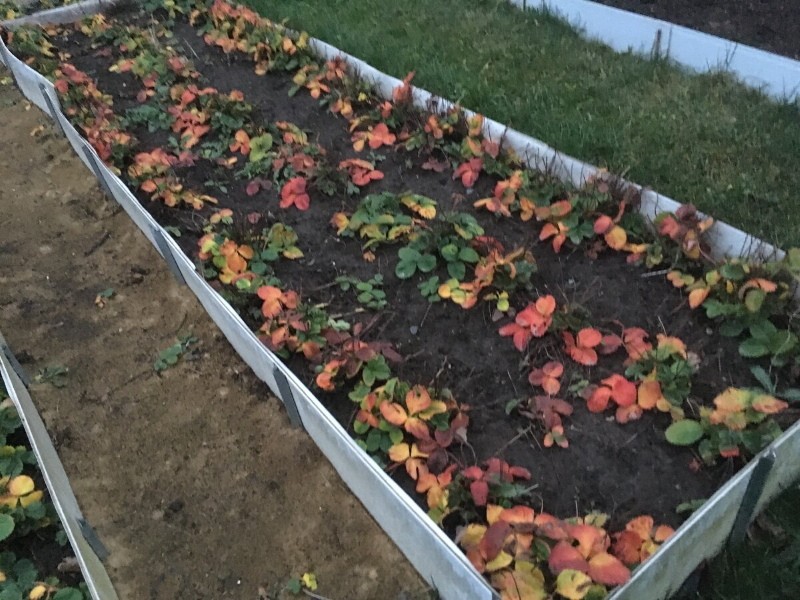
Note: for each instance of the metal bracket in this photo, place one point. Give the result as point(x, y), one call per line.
point(163, 247)
point(755, 487)
point(15, 364)
point(98, 172)
point(54, 112)
point(287, 396)
point(92, 539)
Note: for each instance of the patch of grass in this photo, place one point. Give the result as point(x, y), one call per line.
point(697, 138)
point(768, 567)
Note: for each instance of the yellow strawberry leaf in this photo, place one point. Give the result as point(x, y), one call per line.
point(309, 580)
point(37, 592)
point(21, 485)
point(26, 501)
point(573, 584)
point(500, 561)
point(471, 535)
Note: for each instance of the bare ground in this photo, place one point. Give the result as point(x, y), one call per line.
point(193, 479)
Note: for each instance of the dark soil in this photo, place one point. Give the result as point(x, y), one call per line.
point(772, 25)
point(624, 470)
point(50, 559)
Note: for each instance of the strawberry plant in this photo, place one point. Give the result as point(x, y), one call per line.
point(516, 547)
point(25, 512)
point(457, 256)
point(505, 272)
point(533, 321)
point(639, 540)
point(429, 289)
point(581, 347)
point(494, 483)
point(291, 326)
point(740, 420)
point(618, 390)
point(19, 578)
point(745, 297)
point(21, 507)
point(153, 173)
point(352, 356)
point(684, 229)
point(374, 137)
point(149, 116)
point(370, 292)
point(169, 357)
point(665, 372)
point(383, 218)
point(14, 458)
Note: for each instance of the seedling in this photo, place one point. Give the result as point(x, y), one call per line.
point(55, 375)
point(103, 297)
point(169, 357)
point(430, 289)
point(369, 292)
point(307, 581)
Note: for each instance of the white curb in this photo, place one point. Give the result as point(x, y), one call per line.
point(777, 76)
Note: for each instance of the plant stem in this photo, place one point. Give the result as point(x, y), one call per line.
point(311, 594)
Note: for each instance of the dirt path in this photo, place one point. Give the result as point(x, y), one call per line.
point(193, 479)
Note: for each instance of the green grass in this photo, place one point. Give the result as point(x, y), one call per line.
point(766, 568)
point(697, 138)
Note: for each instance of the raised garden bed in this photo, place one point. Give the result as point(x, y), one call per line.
point(324, 217)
